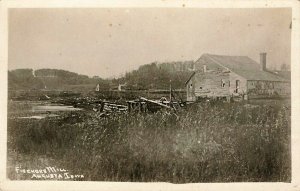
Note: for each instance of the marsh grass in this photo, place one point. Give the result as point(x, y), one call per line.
point(207, 142)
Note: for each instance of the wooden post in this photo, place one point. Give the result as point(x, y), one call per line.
point(102, 106)
point(129, 106)
point(170, 92)
point(140, 107)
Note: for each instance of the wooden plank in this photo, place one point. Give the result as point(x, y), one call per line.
point(155, 102)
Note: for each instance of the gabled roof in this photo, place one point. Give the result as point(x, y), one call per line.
point(244, 66)
point(190, 76)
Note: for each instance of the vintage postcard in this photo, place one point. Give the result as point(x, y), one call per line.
point(161, 95)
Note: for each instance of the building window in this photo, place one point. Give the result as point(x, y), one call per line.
point(222, 83)
point(200, 88)
point(229, 83)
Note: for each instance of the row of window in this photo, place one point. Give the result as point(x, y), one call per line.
point(262, 85)
point(223, 83)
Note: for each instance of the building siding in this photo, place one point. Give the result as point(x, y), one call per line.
point(241, 78)
point(208, 84)
point(242, 89)
point(190, 90)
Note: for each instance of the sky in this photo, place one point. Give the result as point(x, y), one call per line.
point(110, 42)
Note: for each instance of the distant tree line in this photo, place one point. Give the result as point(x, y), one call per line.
point(157, 76)
point(149, 76)
point(25, 79)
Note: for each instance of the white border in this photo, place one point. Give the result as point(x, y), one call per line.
point(6, 184)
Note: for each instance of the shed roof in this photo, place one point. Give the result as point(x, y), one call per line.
point(284, 74)
point(245, 67)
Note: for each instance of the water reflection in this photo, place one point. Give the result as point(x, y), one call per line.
point(49, 108)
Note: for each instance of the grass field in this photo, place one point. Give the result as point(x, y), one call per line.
point(207, 142)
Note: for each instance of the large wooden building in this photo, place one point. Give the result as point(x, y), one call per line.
point(230, 76)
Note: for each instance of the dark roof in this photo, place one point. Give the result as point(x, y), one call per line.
point(245, 67)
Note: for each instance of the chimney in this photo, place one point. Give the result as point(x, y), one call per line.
point(263, 61)
point(204, 68)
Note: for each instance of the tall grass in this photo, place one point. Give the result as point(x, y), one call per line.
point(209, 142)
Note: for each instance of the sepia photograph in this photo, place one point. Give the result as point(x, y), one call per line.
point(149, 94)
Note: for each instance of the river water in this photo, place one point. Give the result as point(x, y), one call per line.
point(37, 110)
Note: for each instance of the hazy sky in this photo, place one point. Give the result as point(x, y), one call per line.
point(109, 42)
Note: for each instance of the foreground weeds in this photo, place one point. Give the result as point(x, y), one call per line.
point(206, 142)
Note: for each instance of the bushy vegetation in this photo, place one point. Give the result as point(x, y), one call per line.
point(157, 76)
point(207, 142)
point(23, 79)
